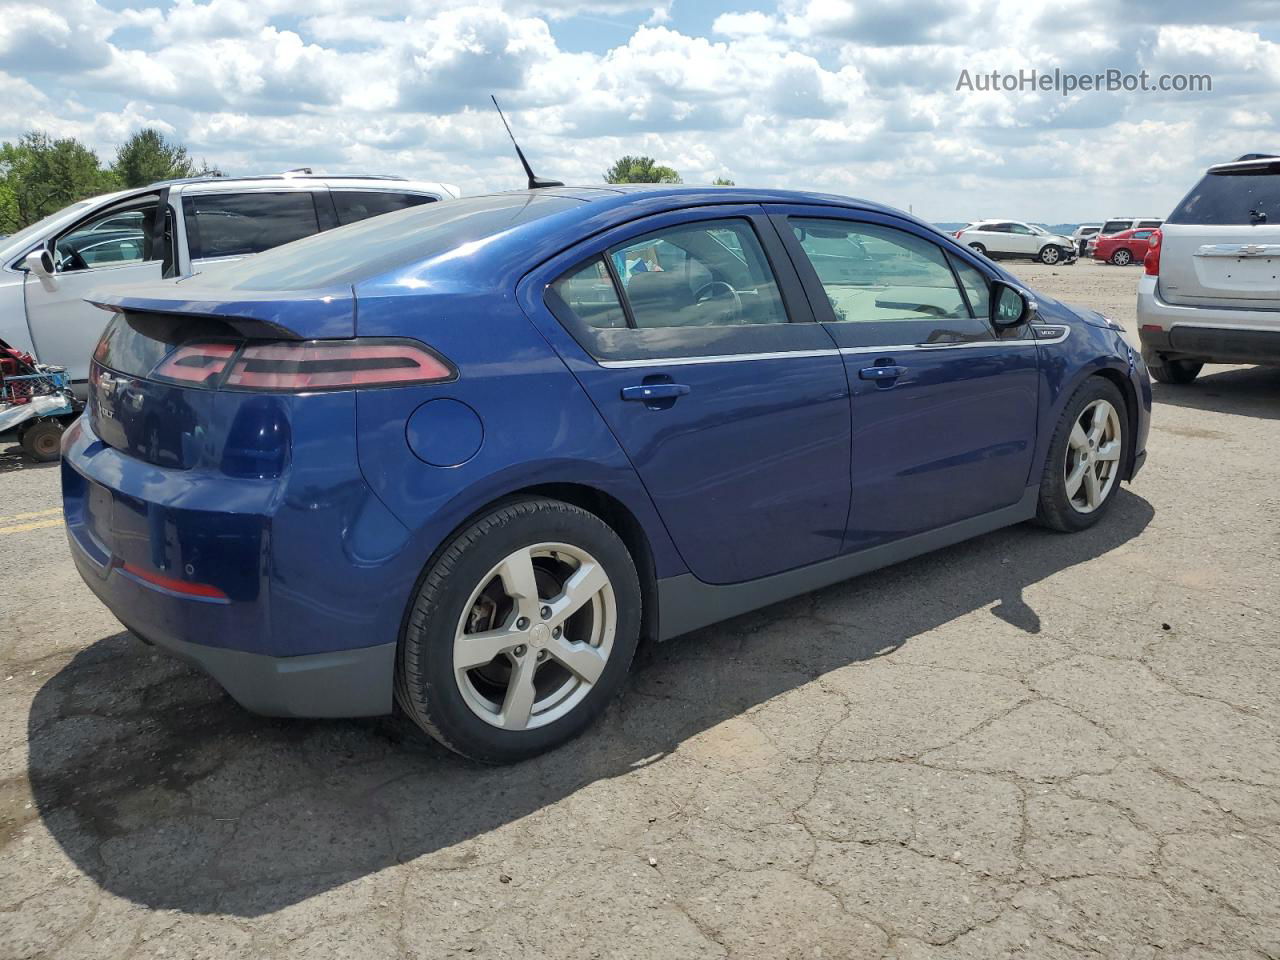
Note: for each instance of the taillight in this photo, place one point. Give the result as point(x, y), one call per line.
point(1151, 262)
point(195, 363)
point(334, 365)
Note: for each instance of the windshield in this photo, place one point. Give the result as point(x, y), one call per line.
point(376, 246)
point(1233, 198)
point(1040, 230)
point(37, 229)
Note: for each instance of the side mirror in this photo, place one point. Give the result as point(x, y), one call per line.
point(1010, 306)
point(39, 262)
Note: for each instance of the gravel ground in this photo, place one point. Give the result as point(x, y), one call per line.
point(1029, 745)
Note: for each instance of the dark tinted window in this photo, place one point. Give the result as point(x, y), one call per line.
point(375, 246)
point(236, 224)
point(709, 273)
point(134, 344)
point(1115, 226)
point(356, 205)
point(589, 294)
point(891, 286)
point(1233, 198)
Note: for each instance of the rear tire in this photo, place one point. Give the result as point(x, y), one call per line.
point(1086, 458)
point(978, 249)
point(1122, 257)
point(500, 586)
point(42, 441)
point(1172, 371)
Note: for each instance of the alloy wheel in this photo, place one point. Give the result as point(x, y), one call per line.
point(1093, 456)
point(535, 636)
point(1122, 258)
point(1049, 255)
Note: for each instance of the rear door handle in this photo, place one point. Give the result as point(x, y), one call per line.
point(649, 392)
point(886, 372)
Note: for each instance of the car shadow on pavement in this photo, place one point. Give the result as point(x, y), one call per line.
point(165, 792)
point(1242, 391)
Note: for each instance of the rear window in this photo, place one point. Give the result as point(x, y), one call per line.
point(356, 205)
point(135, 343)
point(237, 224)
point(1115, 226)
point(381, 244)
point(1232, 198)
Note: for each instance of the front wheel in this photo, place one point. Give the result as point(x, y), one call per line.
point(1086, 457)
point(1050, 255)
point(1172, 371)
point(521, 632)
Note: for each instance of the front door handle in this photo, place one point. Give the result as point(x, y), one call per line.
point(651, 392)
point(882, 374)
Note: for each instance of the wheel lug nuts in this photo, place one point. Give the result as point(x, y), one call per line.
point(556, 633)
point(546, 613)
point(542, 654)
point(522, 623)
point(519, 651)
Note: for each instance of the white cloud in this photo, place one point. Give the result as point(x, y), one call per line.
point(852, 96)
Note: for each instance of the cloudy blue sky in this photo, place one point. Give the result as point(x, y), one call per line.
point(850, 96)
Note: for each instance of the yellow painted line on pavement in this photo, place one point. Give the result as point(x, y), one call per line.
point(38, 525)
point(34, 515)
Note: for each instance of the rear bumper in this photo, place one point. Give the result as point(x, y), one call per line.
point(1211, 334)
point(342, 683)
point(287, 591)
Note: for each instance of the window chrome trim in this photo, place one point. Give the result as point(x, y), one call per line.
point(716, 358)
point(843, 351)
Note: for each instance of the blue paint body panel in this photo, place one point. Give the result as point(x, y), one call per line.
point(310, 517)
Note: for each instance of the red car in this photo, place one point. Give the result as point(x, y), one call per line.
point(1123, 248)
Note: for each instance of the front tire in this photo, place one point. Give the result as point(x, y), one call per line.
point(522, 631)
point(1050, 255)
point(1122, 257)
point(1172, 371)
point(1086, 458)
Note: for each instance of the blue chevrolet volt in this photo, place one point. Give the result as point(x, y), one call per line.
point(463, 457)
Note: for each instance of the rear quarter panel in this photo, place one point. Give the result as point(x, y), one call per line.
point(538, 427)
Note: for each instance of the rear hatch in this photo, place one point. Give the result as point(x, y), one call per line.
point(155, 384)
point(1221, 246)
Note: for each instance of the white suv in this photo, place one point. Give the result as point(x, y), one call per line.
point(166, 230)
point(1000, 239)
point(1211, 291)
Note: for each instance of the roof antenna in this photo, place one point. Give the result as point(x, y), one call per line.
point(534, 182)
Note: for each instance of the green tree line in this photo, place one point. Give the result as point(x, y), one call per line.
point(40, 174)
point(631, 169)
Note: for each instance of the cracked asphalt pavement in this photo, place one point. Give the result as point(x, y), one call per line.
point(1028, 745)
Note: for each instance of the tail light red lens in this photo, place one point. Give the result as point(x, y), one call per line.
point(1151, 262)
point(195, 363)
point(335, 365)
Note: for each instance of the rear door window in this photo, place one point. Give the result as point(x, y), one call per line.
point(1233, 198)
point(356, 205)
point(1115, 226)
point(238, 224)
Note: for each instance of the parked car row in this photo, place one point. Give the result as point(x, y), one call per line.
point(1014, 239)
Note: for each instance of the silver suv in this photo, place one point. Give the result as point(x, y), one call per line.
point(1211, 293)
point(171, 229)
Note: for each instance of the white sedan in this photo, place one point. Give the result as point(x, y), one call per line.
point(1001, 239)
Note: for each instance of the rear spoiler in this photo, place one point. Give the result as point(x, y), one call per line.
point(284, 314)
